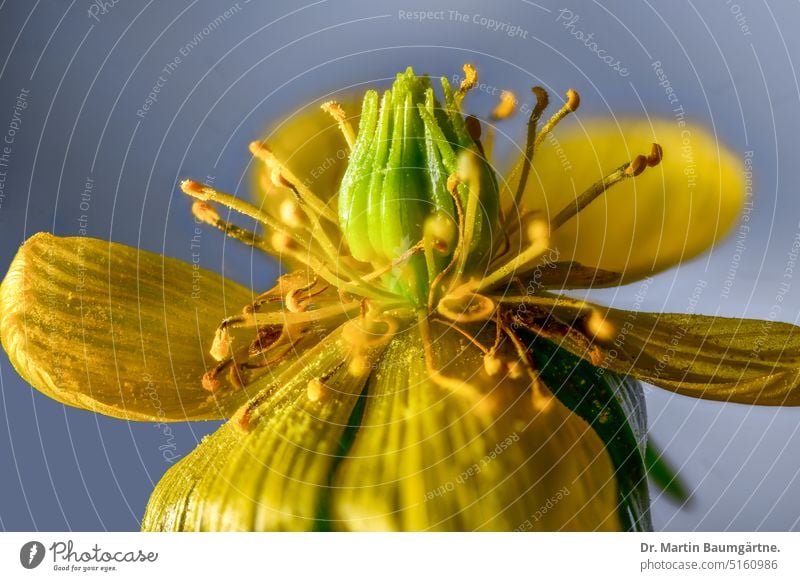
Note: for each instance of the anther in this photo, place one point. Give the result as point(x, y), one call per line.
point(599, 327)
point(315, 389)
point(492, 364)
point(573, 101)
point(221, 346)
point(205, 213)
point(470, 79)
point(523, 168)
point(572, 104)
point(290, 214)
point(473, 128)
point(505, 107)
point(281, 242)
point(440, 232)
point(336, 111)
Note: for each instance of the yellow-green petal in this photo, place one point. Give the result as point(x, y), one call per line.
point(427, 457)
point(668, 214)
point(116, 330)
point(274, 474)
point(739, 360)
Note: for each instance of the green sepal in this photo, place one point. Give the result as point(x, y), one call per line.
point(615, 408)
point(664, 476)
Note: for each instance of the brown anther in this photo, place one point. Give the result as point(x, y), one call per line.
point(542, 101)
point(573, 100)
point(505, 107)
point(473, 127)
point(266, 337)
point(637, 166)
point(205, 212)
point(656, 155)
point(235, 377)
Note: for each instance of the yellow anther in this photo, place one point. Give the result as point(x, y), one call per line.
point(315, 389)
point(221, 346)
point(505, 107)
point(440, 232)
point(290, 214)
point(336, 111)
point(492, 364)
point(598, 326)
point(470, 79)
point(205, 213)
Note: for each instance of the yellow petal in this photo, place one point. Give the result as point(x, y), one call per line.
point(668, 214)
point(273, 475)
point(115, 330)
point(739, 360)
point(431, 458)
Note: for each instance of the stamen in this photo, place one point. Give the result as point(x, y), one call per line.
point(482, 402)
point(290, 214)
point(539, 238)
point(623, 172)
point(418, 247)
point(221, 346)
point(292, 299)
point(542, 100)
point(541, 397)
point(466, 307)
point(439, 232)
point(469, 82)
point(599, 327)
point(452, 189)
point(572, 104)
point(335, 110)
point(469, 336)
point(469, 174)
point(207, 214)
point(262, 152)
point(492, 364)
point(505, 107)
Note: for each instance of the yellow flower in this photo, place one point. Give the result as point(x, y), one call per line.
point(419, 369)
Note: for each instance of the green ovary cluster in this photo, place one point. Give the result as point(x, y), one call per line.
point(408, 146)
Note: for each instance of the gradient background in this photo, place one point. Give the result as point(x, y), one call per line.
point(731, 65)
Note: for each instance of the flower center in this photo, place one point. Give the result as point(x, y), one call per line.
point(418, 237)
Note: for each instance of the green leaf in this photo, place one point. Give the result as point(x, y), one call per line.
point(665, 476)
point(615, 408)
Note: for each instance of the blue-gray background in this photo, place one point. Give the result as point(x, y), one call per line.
point(732, 66)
